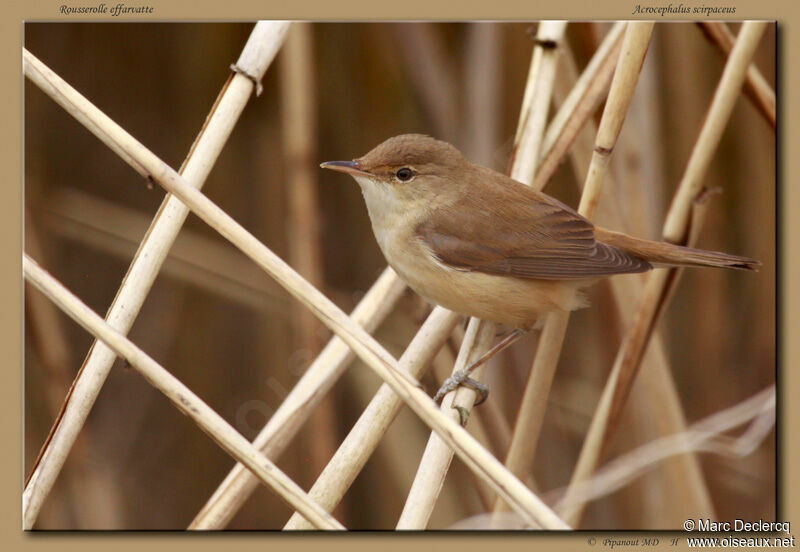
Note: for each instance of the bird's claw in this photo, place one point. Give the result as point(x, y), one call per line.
point(459, 378)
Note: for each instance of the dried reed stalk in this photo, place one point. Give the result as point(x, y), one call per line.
point(703, 436)
point(186, 401)
point(536, 101)
point(679, 489)
point(756, 86)
point(483, 65)
point(579, 105)
point(363, 439)
point(660, 281)
point(534, 400)
point(299, 143)
point(256, 57)
point(480, 334)
point(476, 457)
point(488, 424)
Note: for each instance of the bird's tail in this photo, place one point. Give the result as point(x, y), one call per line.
point(660, 253)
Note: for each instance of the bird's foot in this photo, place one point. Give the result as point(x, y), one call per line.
point(459, 378)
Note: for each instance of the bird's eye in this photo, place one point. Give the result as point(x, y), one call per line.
point(404, 175)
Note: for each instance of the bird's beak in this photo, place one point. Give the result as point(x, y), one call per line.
point(347, 167)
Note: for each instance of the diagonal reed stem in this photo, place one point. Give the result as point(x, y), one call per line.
point(660, 281)
point(186, 401)
point(534, 400)
point(258, 53)
point(90, 489)
point(524, 502)
point(756, 86)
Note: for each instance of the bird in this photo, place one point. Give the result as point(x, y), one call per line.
point(482, 244)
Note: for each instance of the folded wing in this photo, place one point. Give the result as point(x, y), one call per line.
point(514, 230)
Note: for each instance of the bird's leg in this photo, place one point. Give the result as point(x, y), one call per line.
point(461, 377)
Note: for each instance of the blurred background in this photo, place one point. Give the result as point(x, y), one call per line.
point(240, 342)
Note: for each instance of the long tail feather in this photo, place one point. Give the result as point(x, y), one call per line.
point(667, 254)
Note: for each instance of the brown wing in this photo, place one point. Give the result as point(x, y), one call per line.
point(515, 230)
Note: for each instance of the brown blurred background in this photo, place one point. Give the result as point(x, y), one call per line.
point(240, 342)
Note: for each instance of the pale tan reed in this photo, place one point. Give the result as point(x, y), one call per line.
point(579, 105)
point(436, 458)
point(88, 485)
point(756, 86)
